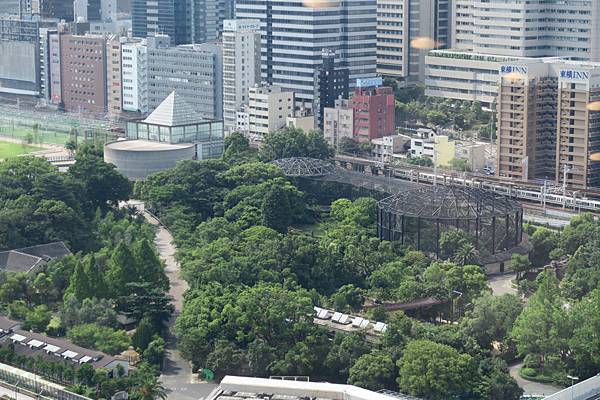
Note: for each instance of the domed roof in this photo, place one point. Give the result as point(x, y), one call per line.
point(305, 166)
point(449, 202)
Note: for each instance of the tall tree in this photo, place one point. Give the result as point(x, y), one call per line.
point(121, 270)
point(276, 209)
point(148, 266)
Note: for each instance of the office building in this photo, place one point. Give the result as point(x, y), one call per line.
point(374, 110)
point(487, 34)
point(338, 122)
point(159, 17)
point(48, 9)
point(268, 108)
point(294, 36)
point(528, 28)
point(400, 22)
point(83, 73)
point(205, 19)
point(89, 10)
point(195, 71)
point(10, 7)
point(172, 133)
point(241, 66)
point(152, 69)
point(22, 53)
point(332, 83)
point(545, 129)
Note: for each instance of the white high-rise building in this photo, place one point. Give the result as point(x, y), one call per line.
point(134, 67)
point(241, 66)
point(399, 22)
point(485, 35)
point(538, 28)
point(294, 37)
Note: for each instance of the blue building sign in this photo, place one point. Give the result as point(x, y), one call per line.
point(572, 74)
point(369, 82)
point(508, 69)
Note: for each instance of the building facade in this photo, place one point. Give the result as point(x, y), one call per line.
point(399, 22)
point(241, 66)
point(338, 122)
point(293, 38)
point(374, 110)
point(195, 71)
point(268, 108)
point(83, 73)
point(545, 129)
point(20, 57)
point(332, 83)
point(158, 17)
point(134, 64)
point(114, 71)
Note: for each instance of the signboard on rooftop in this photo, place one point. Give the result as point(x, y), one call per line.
point(369, 82)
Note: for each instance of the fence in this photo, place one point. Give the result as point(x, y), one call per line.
point(33, 385)
point(586, 390)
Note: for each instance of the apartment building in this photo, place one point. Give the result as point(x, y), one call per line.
point(134, 65)
point(545, 129)
point(268, 109)
point(241, 66)
point(294, 36)
point(331, 83)
point(374, 110)
point(338, 122)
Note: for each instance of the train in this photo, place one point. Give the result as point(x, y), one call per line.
point(529, 192)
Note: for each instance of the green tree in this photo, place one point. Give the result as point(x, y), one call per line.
point(155, 351)
point(585, 341)
point(374, 371)
point(102, 338)
point(293, 142)
point(38, 319)
point(148, 265)
point(460, 164)
point(520, 264)
point(491, 318)
point(435, 371)
point(276, 210)
point(143, 334)
point(343, 353)
point(452, 240)
point(542, 329)
point(422, 161)
point(121, 270)
point(543, 241)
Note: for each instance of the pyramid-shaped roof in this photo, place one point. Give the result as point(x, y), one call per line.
point(174, 111)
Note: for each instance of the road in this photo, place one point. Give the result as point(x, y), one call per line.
point(177, 375)
point(529, 387)
point(502, 284)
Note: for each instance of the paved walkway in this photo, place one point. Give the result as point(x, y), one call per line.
point(529, 387)
point(177, 375)
point(502, 284)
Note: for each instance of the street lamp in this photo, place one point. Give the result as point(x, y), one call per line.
point(573, 379)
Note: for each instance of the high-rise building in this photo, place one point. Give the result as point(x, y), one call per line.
point(152, 69)
point(87, 10)
point(528, 28)
point(294, 36)
point(487, 34)
point(545, 129)
point(114, 78)
point(241, 66)
point(83, 73)
point(374, 110)
point(157, 17)
point(205, 19)
point(399, 22)
point(332, 83)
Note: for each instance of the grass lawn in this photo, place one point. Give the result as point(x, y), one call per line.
point(42, 136)
point(8, 150)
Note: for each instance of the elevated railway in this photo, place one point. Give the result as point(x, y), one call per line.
point(545, 195)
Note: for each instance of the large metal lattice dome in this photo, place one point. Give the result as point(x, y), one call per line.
point(305, 167)
point(420, 216)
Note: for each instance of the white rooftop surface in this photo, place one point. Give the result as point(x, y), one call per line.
point(174, 111)
point(146, 145)
point(51, 348)
point(69, 354)
point(85, 359)
point(301, 389)
point(17, 338)
point(35, 343)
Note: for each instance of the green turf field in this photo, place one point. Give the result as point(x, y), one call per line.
point(8, 150)
point(41, 136)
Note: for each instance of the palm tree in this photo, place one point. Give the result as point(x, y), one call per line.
point(466, 254)
point(151, 389)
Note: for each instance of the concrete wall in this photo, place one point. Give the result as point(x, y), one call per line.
point(137, 165)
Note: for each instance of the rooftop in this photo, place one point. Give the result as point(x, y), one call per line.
point(174, 111)
point(240, 388)
point(145, 145)
point(28, 258)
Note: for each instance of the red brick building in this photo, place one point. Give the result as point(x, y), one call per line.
point(83, 73)
point(374, 112)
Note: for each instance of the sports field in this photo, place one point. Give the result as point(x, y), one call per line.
point(42, 136)
point(8, 150)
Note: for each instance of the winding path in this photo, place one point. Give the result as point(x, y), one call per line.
point(530, 387)
point(177, 375)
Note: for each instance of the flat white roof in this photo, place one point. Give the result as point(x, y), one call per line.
point(325, 390)
point(85, 359)
point(35, 343)
point(17, 338)
point(51, 348)
point(69, 354)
